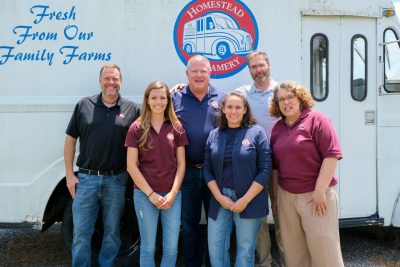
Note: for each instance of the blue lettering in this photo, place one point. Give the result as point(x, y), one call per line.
point(7, 54)
point(33, 36)
point(95, 56)
point(25, 35)
point(40, 16)
point(71, 31)
point(40, 11)
point(102, 56)
point(71, 55)
point(85, 56)
point(85, 36)
point(39, 55)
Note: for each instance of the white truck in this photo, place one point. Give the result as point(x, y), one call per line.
point(346, 51)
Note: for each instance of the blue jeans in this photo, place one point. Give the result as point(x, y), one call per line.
point(93, 192)
point(219, 233)
point(194, 193)
point(147, 216)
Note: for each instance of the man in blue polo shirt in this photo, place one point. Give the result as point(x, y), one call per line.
point(196, 106)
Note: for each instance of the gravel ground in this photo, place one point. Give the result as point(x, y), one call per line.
point(371, 246)
point(27, 247)
point(361, 246)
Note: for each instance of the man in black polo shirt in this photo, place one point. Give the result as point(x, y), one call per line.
point(101, 123)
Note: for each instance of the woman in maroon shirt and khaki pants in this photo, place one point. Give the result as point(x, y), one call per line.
point(305, 151)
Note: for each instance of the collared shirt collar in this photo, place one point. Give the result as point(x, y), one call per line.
point(97, 99)
point(304, 113)
point(302, 116)
point(212, 91)
point(253, 88)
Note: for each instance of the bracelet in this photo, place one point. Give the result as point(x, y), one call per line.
point(150, 194)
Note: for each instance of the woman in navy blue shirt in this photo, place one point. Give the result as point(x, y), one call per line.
point(237, 169)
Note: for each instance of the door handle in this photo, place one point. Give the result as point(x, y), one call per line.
point(370, 117)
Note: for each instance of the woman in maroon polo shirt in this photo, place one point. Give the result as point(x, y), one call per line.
point(305, 151)
point(156, 163)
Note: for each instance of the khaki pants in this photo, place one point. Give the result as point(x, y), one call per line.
point(309, 240)
point(263, 244)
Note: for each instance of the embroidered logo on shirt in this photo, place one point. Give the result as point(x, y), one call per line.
point(246, 142)
point(170, 137)
point(214, 104)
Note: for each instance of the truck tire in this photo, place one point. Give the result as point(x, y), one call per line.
point(188, 49)
point(130, 239)
point(223, 50)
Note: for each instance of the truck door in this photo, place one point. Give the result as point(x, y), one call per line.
point(388, 131)
point(200, 35)
point(339, 66)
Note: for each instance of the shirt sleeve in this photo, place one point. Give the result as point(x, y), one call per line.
point(133, 135)
point(326, 140)
point(181, 137)
point(275, 164)
point(264, 163)
point(208, 173)
point(72, 128)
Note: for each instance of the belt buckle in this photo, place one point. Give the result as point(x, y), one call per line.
point(197, 165)
point(105, 173)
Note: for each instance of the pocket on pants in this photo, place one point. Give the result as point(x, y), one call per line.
point(83, 177)
point(121, 179)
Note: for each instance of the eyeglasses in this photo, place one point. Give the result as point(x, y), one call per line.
point(259, 66)
point(288, 98)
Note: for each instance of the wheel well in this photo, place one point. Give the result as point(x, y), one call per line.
point(56, 205)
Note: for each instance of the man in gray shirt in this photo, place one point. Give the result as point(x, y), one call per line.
point(259, 94)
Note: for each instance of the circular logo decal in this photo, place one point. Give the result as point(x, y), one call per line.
point(214, 104)
point(223, 31)
point(170, 137)
point(246, 142)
